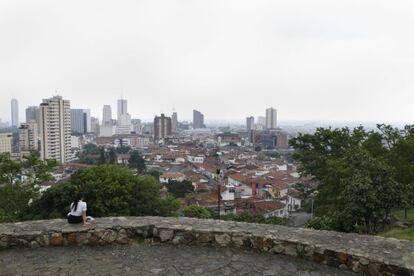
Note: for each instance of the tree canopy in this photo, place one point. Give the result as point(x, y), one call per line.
point(109, 190)
point(363, 174)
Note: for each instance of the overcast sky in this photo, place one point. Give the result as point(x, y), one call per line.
point(329, 60)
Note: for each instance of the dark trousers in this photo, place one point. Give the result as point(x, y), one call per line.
point(75, 219)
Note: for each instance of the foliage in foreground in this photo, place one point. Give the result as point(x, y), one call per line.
point(18, 185)
point(109, 190)
point(363, 175)
point(195, 211)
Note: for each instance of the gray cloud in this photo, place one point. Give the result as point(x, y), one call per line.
point(332, 60)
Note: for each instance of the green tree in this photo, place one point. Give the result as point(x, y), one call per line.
point(137, 162)
point(15, 201)
point(36, 170)
point(195, 211)
point(113, 159)
point(123, 149)
point(10, 171)
point(109, 191)
point(180, 188)
point(359, 176)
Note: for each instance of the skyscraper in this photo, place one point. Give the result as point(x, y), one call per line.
point(123, 125)
point(6, 142)
point(80, 120)
point(32, 113)
point(162, 127)
point(55, 129)
point(271, 118)
point(122, 108)
point(198, 119)
point(14, 113)
point(87, 120)
point(249, 123)
point(28, 137)
point(174, 122)
point(107, 115)
point(95, 125)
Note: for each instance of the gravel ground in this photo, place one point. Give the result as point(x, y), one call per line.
point(155, 259)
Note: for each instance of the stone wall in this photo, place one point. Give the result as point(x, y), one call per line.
point(359, 253)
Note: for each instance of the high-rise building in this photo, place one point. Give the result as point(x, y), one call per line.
point(136, 126)
point(6, 140)
point(80, 120)
point(107, 115)
point(271, 118)
point(122, 107)
point(249, 123)
point(123, 125)
point(95, 125)
point(87, 120)
point(32, 113)
point(14, 113)
point(198, 119)
point(55, 129)
point(162, 127)
point(174, 122)
point(28, 137)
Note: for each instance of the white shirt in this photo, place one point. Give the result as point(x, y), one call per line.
point(79, 208)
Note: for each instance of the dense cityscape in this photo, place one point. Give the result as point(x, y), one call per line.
point(206, 137)
point(254, 159)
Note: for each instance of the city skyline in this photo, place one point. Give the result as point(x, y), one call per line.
point(229, 62)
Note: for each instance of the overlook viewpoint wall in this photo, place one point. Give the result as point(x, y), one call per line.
point(359, 253)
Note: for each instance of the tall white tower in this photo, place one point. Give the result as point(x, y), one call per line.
point(55, 129)
point(123, 125)
point(107, 115)
point(271, 118)
point(14, 113)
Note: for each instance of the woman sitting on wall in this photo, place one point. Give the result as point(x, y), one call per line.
point(77, 212)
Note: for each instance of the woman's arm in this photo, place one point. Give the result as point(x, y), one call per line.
point(84, 216)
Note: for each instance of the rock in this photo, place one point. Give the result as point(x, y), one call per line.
point(42, 240)
point(122, 237)
point(71, 239)
point(278, 249)
point(178, 239)
point(165, 234)
point(3, 245)
point(222, 239)
point(238, 240)
point(363, 261)
point(109, 236)
point(204, 237)
point(56, 239)
point(342, 257)
point(34, 244)
point(291, 250)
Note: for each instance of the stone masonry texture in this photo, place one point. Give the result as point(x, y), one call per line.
point(362, 254)
point(154, 259)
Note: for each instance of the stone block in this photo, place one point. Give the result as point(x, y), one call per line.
point(122, 237)
point(56, 239)
point(222, 239)
point(165, 234)
point(204, 237)
point(109, 236)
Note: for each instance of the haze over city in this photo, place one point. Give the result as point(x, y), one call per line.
point(318, 60)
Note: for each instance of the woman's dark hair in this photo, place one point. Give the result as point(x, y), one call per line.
point(78, 197)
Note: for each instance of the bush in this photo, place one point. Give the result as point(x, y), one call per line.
point(195, 211)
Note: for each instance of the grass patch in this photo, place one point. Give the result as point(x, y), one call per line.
point(399, 214)
point(399, 233)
